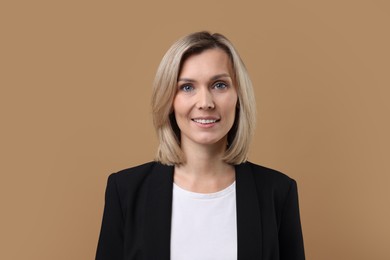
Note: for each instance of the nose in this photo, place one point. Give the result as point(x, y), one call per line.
point(205, 100)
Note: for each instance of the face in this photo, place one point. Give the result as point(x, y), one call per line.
point(206, 98)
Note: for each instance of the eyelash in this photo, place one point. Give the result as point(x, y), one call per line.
point(220, 83)
point(185, 87)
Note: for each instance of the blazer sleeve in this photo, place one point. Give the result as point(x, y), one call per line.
point(110, 245)
point(290, 232)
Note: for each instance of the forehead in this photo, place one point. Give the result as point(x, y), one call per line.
point(207, 62)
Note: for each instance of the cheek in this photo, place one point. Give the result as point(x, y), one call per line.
point(179, 105)
point(231, 104)
point(176, 103)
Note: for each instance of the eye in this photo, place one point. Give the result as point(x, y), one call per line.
point(186, 88)
point(220, 85)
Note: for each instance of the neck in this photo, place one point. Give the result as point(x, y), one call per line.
point(204, 169)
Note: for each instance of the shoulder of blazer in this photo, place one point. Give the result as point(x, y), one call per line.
point(270, 176)
point(271, 182)
point(132, 181)
point(136, 173)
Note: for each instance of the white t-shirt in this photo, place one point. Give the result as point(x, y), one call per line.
point(204, 226)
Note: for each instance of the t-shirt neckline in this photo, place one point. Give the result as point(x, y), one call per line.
point(196, 195)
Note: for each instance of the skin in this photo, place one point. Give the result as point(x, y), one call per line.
point(204, 107)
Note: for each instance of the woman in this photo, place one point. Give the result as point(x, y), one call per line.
point(200, 199)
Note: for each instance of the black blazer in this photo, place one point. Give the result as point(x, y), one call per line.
point(138, 206)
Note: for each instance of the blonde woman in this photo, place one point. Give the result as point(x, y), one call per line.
point(200, 198)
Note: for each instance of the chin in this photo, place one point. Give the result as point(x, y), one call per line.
point(210, 141)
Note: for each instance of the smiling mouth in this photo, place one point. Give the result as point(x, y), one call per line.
point(205, 121)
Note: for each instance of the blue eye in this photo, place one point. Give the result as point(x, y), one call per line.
point(186, 88)
point(220, 85)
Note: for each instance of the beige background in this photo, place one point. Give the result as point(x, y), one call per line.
point(75, 93)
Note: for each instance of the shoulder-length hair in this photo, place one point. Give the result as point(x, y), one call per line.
point(164, 91)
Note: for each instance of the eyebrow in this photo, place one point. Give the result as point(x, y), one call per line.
point(218, 76)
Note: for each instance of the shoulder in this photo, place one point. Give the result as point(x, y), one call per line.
point(273, 187)
point(268, 174)
point(135, 171)
point(133, 177)
point(270, 179)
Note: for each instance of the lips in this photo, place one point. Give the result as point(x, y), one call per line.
point(206, 121)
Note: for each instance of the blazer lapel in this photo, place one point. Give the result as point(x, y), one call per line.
point(158, 213)
point(248, 214)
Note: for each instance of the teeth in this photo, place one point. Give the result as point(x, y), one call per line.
point(205, 121)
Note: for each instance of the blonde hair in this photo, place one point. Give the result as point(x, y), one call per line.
point(164, 90)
